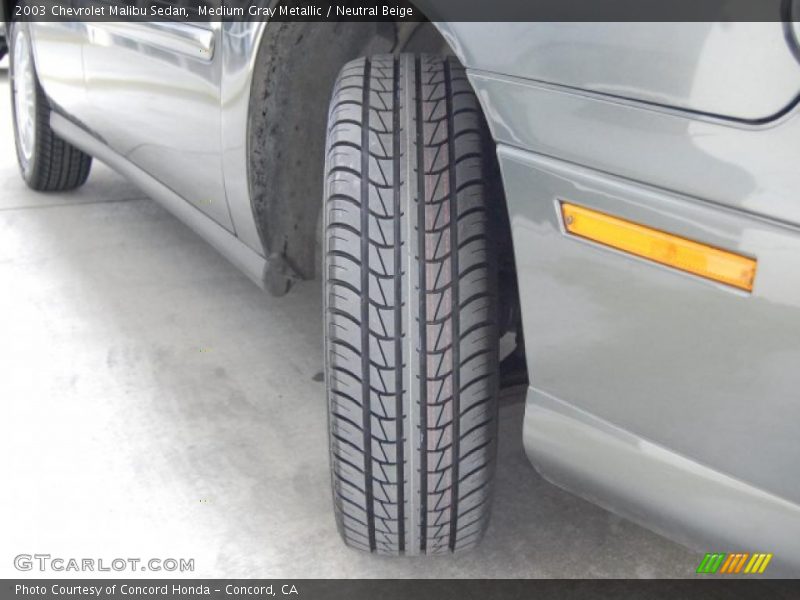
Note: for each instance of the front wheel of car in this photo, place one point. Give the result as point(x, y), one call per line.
point(410, 307)
point(47, 162)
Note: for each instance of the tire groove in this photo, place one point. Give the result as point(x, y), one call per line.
point(423, 398)
point(455, 355)
point(365, 384)
point(398, 314)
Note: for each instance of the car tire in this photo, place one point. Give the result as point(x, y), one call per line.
point(47, 162)
point(410, 307)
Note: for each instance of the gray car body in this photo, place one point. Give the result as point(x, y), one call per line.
point(669, 399)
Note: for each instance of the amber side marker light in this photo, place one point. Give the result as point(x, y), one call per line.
point(660, 247)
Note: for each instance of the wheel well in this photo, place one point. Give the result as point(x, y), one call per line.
point(295, 69)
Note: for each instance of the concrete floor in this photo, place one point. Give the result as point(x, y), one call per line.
point(154, 403)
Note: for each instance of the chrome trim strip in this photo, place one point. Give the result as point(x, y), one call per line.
point(181, 38)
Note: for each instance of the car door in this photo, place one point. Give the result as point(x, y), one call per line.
point(154, 89)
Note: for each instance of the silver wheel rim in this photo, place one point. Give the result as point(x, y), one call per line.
point(24, 96)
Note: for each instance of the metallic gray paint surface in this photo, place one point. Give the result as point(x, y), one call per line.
point(58, 53)
point(741, 70)
point(158, 107)
point(698, 368)
point(662, 353)
point(753, 168)
point(651, 485)
point(173, 98)
point(244, 258)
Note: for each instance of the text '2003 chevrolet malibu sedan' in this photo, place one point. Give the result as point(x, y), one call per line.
point(624, 197)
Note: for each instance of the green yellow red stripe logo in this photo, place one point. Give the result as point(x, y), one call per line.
point(734, 563)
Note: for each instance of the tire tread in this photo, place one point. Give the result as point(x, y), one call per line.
point(409, 276)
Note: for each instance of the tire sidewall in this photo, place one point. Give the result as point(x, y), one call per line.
point(27, 166)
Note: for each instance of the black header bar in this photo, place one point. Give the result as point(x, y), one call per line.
point(405, 10)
